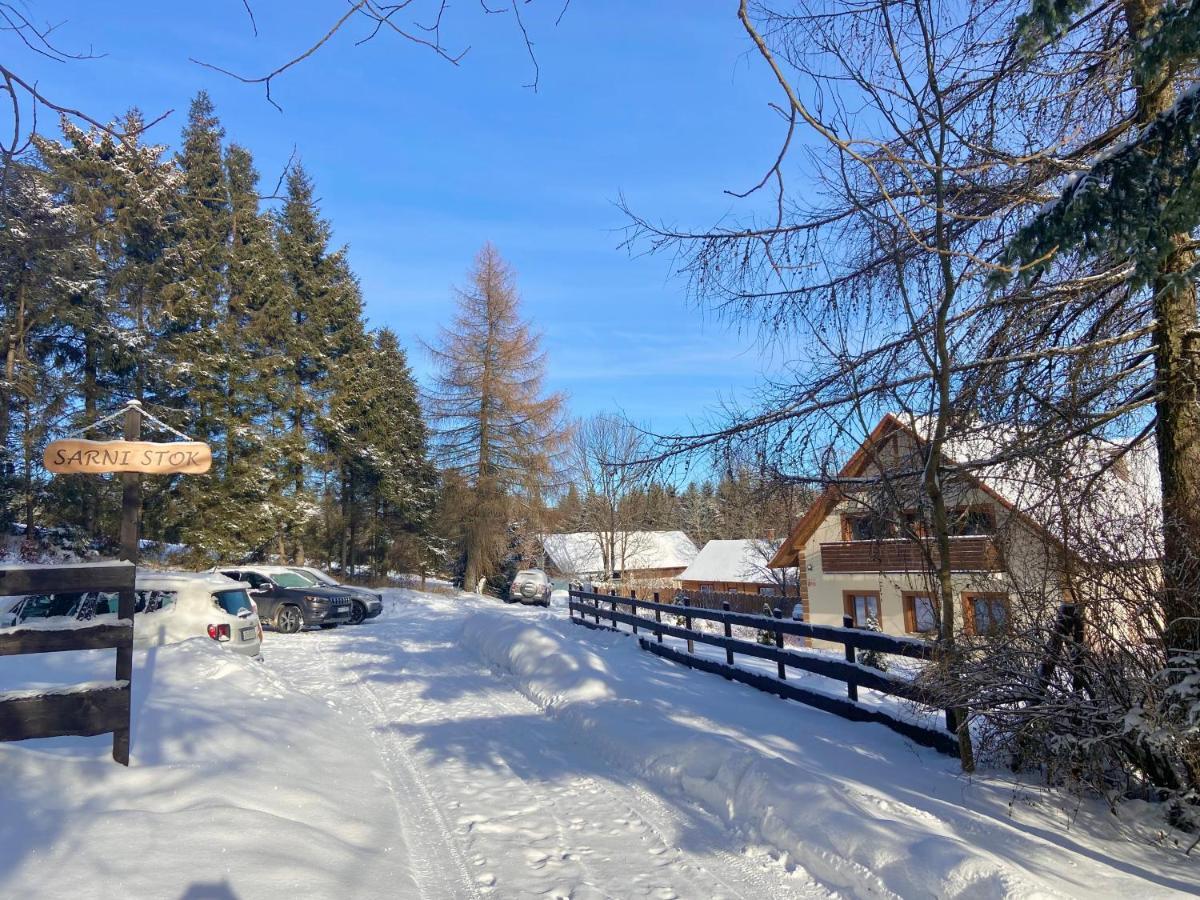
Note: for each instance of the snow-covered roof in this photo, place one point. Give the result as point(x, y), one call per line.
point(581, 553)
point(1100, 492)
point(737, 560)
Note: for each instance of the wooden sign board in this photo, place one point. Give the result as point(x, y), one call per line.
point(96, 457)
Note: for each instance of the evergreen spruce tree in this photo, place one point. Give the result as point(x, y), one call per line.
point(321, 323)
point(119, 197)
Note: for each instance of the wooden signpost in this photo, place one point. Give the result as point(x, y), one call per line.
point(70, 457)
point(105, 708)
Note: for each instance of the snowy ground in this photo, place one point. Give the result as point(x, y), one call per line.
point(462, 748)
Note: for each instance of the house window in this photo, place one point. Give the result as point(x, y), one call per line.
point(706, 588)
point(768, 592)
point(986, 613)
point(972, 520)
point(862, 605)
point(866, 528)
point(920, 613)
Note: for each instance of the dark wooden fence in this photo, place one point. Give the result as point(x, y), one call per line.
point(72, 710)
point(603, 610)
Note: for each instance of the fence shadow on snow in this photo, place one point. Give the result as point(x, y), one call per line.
point(602, 610)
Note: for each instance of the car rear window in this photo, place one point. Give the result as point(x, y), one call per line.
point(154, 601)
point(233, 601)
point(531, 576)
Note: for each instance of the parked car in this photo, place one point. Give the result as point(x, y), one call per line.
point(172, 606)
point(289, 601)
point(365, 604)
point(168, 607)
point(530, 586)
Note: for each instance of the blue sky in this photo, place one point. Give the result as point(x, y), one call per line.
point(418, 162)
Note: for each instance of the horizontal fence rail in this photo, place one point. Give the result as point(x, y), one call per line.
point(79, 709)
point(603, 611)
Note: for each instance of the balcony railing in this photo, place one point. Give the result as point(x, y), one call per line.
point(974, 553)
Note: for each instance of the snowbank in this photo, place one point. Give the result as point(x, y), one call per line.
point(239, 785)
point(855, 805)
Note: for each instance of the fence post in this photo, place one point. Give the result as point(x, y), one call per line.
point(851, 684)
point(779, 645)
point(687, 623)
point(633, 607)
point(596, 600)
point(570, 600)
point(658, 618)
point(612, 592)
point(728, 635)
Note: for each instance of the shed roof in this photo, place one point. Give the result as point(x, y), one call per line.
point(732, 560)
point(580, 552)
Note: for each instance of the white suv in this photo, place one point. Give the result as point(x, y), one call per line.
point(189, 605)
point(168, 607)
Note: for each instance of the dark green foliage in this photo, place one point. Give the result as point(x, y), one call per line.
point(1139, 193)
point(873, 658)
point(124, 273)
point(1128, 205)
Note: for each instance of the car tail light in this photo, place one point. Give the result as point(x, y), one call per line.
point(218, 632)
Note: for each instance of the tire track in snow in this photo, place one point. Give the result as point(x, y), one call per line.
point(739, 875)
point(428, 838)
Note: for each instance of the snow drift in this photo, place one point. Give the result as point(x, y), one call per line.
point(855, 805)
point(239, 785)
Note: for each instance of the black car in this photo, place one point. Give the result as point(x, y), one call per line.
point(289, 601)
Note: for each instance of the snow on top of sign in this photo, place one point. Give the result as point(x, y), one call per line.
point(13, 567)
point(732, 560)
point(581, 552)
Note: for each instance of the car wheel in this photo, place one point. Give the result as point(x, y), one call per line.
point(358, 612)
point(288, 620)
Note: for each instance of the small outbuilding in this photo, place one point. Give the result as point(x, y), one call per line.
point(626, 555)
point(738, 566)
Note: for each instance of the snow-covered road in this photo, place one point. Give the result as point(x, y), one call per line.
point(494, 797)
point(459, 748)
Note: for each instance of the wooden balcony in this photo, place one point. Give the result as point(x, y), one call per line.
point(976, 553)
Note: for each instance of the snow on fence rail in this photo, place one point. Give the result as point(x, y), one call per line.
point(850, 671)
point(85, 709)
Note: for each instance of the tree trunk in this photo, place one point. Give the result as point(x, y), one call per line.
point(1177, 378)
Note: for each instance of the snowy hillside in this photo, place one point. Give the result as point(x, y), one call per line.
point(461, 748)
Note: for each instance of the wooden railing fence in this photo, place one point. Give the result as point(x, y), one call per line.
point(603, 610)
point(83, 710)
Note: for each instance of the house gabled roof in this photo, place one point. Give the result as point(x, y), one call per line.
point(791, 549)
point(580, 552)
point(732, 561)
point(1014, 485)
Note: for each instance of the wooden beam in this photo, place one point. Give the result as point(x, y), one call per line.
point(54, 640)
point(94, 711)
point(113, 577)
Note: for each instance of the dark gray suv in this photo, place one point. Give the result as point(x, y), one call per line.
point(367, 604)
point(290, 601)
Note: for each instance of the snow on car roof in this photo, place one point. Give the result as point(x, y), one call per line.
point(262, 570)
point(180, 578)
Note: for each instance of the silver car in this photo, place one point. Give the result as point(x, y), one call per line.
point(530, 586)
